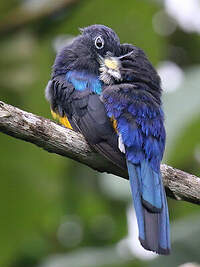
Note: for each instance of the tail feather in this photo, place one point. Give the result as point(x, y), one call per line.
point(151, 187)
point(153, 223)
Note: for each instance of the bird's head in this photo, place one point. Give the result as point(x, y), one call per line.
point(95, 50)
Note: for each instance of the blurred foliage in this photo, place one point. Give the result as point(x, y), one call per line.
point(50, 205)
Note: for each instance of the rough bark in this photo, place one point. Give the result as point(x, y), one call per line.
point(57, 139)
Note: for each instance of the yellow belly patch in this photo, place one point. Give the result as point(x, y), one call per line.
point(63, 120)
point(114, 123)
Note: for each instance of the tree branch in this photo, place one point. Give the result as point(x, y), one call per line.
point(60, 140)
point(27, 13)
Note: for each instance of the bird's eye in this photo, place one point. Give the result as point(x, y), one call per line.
point(99, 42)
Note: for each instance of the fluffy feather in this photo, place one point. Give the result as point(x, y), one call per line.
point(115, 103)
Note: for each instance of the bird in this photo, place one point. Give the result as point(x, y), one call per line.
point(111, 93)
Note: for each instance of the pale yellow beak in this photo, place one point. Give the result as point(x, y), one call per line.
point(109, 69)
point(112, 63)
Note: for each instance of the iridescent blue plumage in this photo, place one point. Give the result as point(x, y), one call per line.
point(83, 80)
point(136, 107)
point(99, 83)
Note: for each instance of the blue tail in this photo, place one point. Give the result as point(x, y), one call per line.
point(150, 206)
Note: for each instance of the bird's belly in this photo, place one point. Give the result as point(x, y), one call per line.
point(114, 124)
point(63, 120)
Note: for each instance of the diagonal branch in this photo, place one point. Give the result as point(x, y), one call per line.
point(28, 12)
point(60, 140)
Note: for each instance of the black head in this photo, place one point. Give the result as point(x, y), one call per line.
point(94, 42)
point(101, 40)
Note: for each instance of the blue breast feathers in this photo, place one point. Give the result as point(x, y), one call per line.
point(81, 81)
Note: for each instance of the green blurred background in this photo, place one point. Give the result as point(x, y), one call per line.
point(55, 212)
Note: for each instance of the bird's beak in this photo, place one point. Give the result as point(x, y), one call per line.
point(109, 68)
point(112, 63)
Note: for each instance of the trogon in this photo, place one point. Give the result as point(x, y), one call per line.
point(111, 93)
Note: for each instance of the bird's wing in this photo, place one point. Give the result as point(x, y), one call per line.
point(86, 114)
point(139, 120)
point(58, 93)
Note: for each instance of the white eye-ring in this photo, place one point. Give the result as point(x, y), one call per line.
point(99, 42)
